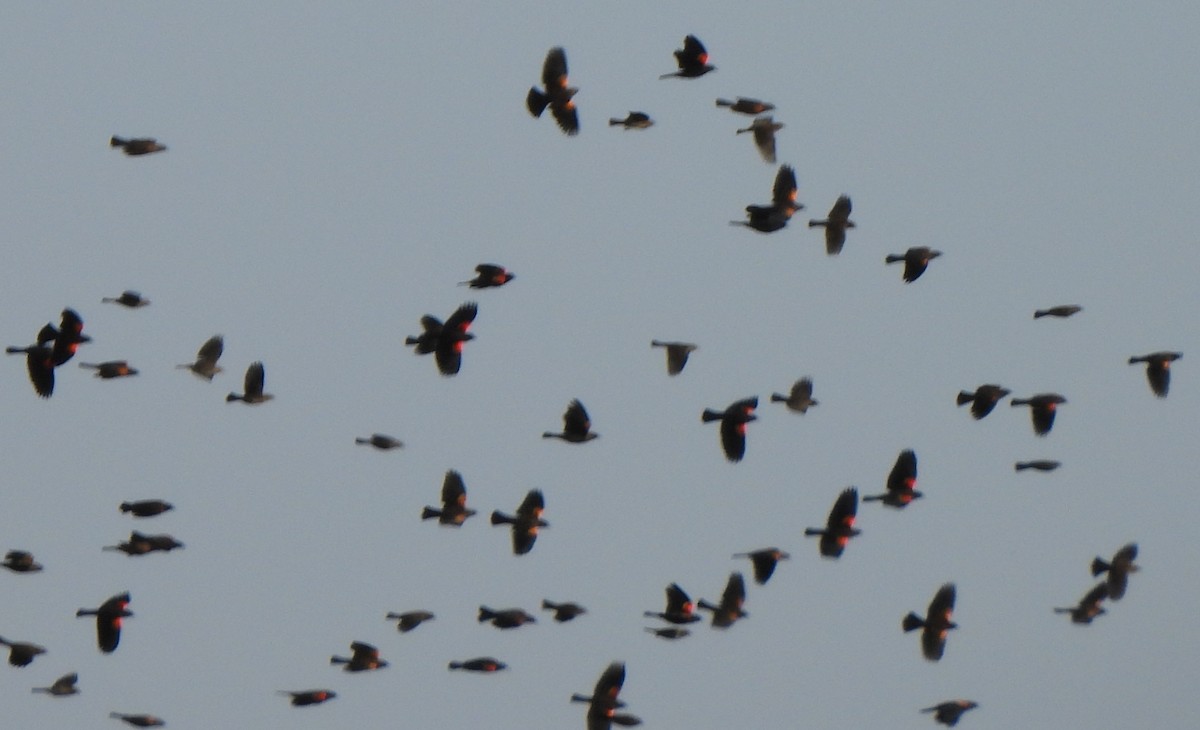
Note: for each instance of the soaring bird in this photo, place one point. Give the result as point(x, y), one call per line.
point(799, 398)
point(633, 120)
point(764, 562)
point(484, 664)
point(1089, 606)
point(901, 482)
point(255, 377)
point(577, 427)
point(488, 276)
point(39, 362)
point(410, 620)
point(21, 653)
point(692, 60)
point(20, 561)
point(677, 354)
point(1043, 406)
point(983, 400)
point(835, 225)
point(936, 624)
point(454, 510)
point(141, 544)
point(110, 369)
point(948, 713)
point(303, 698)
point(742, 105)
point(1038, 464)
point(732, 598)
point(1118, 569)
point(109, 617)
point(563, 611)
point(839, 526)
point(915, 260)
point(139, 146)
point(446, 341)
point(603, 703)
point(146, 507)
point(773, 217)
point(525, 523)
point(508, 618)
point(1158, 370)
point(733, 425)
point(363, 657)
point(557, 95)
point(381, 441)
point(1062, 311)
point(679, 610)
point(764, 129)
point(62, 687)
point(205, 365)
point(128, 298)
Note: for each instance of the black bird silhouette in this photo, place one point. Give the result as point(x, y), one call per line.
point(454, 510)
point(363, 657)
point(670, 632)
point(603, 703)
point(1064, 310)
point(742, 105)
point(303, 698)
point(1043, 406)
point(733, 425)
point(1158, 370)
point(481, 664)
point(488, 276)
point(141, 544)
point(839, 526)
point(1089, 606)
point(138, 146)
point(128, 298)
point(109, 618)
point(679, 610)
point(381, 441)
point(936, 624)
point(677, 354)
point(146, 507)
point(508, 618)
point(21, 653)
point(446, 341)
point(110, 369)
point(799, 399)
point(692, 60)
point(835, 225)
point(764, 129)
point(563, 611)
point(67, 338)
point(901, 482)
point(915, 260)
point(139, 720)
point(39, 362)
point(729, 610)
point(20, 561)
point(525, 523)
point(410, 620)
point(1038, 464)
point(633, 120)
point(205, 365)
point(764, 562)
point(558, 95)
point(948, 713)
point(773, 217)
point(255, 377)
point(983, 400)
point(1118, 569)
point(62, 687)
point(577, 427)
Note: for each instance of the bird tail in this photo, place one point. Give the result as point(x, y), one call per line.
point(1099, 566)
point(711, 415)
point(16, 350)
point(1040, 313)
point(705, 605)
point(338, 660)
point(536, 102)
point(499, 518)
point(724, 102)
point(1135, 360)
point(411, 341)
point(815, 223)
point(873, 498)
point(117, 141)
point(456, 665)
point(965, 397)
point(813, 532)
point(1022, 466)
point(429, 513)
point(778, 398)
point(893, 258)
point(911, 622)
point(549, 605)
point(1019, 402)
point(1064, 610)
point(613, 121)
point(232, 397)
point(486, 614)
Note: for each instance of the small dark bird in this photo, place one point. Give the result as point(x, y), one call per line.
point(19, 561)
point(488, 276)
point(692, 60)
point(21, 653)
point(603, 703)
point(1158, 370)
point(383, 442)
point(679, 610)
point(146, 507)
point(255, 377)
point(482, 664)
point(306, 697)
point(1118, 569)
point(109, 617)
point(1038, 464)
point(983, 400)
point(410, 620)
point(835, 225)
point(525, 523)
point(577, 427)
point(205, 365)
point(730, 608)
point(1042, 408)
point(936, 624)
point(128, 298)
point(670, 632)
point(110, 369)
point(773, 217)
point(634, 120)
point(140, 544)
point(557, 95)
point(446, 341)
point(733, 425)
point(1065, 310)
point(1089, 606)
point(363, 657)
point(948, 713)
point(743, 105)
point(454, 510)
point(915, 260)
point(62, 687)
point(509, 618)
point(134, 147)
point(563, 611)
point(764, 129)
point(799, 399)
point(677, 354)
point(139, 720)
point(66, 339)
point(901, 482)
point(839, 527)
point(764, 562)
point(39, 362)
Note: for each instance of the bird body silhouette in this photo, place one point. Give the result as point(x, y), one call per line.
point(764, 562)
point(915, 261)
point(1118, 569)
point(20, 561)
point(21, 653)
point(1158, 370)
point(1062, 311)
point(381, 441)
point(556, 94)
point(799, 399)
point(679, 610)
point(835, 225)
point(733, 426)
point(577, 426)
point(445, 340)
point(677, 354)
point(508, 618)
point(692, 60)
point(255, 379)
point(1042, 407)
point(983, 399)
point(363, 657)
point(489, 276)
point(525, 523)
point(110, 369)
point(109, 618)
point(1037, 464)
point(484, 664)
point(764, 129)
point(306, 697)
point(742, 105)
point(454, 510)
point(901, 482)
point(137, 146)
point(563, 611)
point(936, 624)
point(948, 713)
point(603, 703)
point(205, 365)
point(410, 620)
point(729, 610)
point(633, 120)
point(839, 526)
point(774, 217)
point(62, 687)
point(146, 507)
point(1088, 607)
point(128, 298)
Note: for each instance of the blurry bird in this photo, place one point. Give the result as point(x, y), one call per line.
point(482, 664)
point(835, 225)
point(1065, 310)
point(134, 147)
point(1089, 606)
point(948, 713)
point(363, 657)
point(839, 526)
point(679, 610)
point(557, 95)
point(39, 362)
point(1158, 370)
point(577, 427)
point(1118, 569)
point(306, 697)
point(489, 275)
point(205, 365)
point(508, 618)
point(936, 624)
point(62, 687)
point(915, 260)
point(764, 129)
point(446, 341)
point(901, 482)
point(19, 561)
point(21, 653)
point(139, 720)
point(773, 217)
point(983, 400)
point(670, 632)
point(799, 399)
point(764, 562)
point(146, 507)
point(746, 106)
point(454, 510)
point(730, 608)
point(692, 60)
point(383, 442)
point(141, 544)
point(677, 354)
point(603, 703)
point(255, 377)
point(1038, 464)
point(1042, 409)
point(110, 369)
point(525, 523)
point(109, 617)
point(410, 620)
point(66, 339)
point(634, 120)
point(563, 611)
point(733, 425)
point(128, 298)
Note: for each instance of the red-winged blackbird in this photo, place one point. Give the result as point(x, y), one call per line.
point(936, 624)
point(835, 225)
point(1064, 310)
point(1043, 406)
point(39, 362)
point(128, 298)
point(206, 359)
point(19, 561)
point(733, 425)
point(773, 217)
point(482, 664)
point(1158, 370)
point(1118, 569)
point(110, 369)
point(525, 523)
point(146, 507)
point(363, 657)
point(634, 120)
point(62, 687)
point(677, 354)
point(445, 341)
point(670, 632)
point(255, 378)
point(139, 146)
point(799, 398)
point(1089, 606)
point(66, 339)
point(21, 653)
point(679, 610)
point(508, 618)
point(489, 275)
point(577, 427)
point(557, 95)
point(839, 527)
point(410, 620)
point(948, 713)
point(454, 510)
point(764, 562)
point(764, 129)
point(307, 697)
point(109, 617)
point(730, 609)
point(563, 611)
point(746, 106)
point(692, 60)
point(139, 720)
point(1038, 464)
point(915, 260)
point(140, 544)
point(983, 400)
point(603, 703)
point(901, 482)
point(383, 442)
